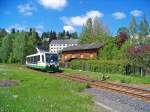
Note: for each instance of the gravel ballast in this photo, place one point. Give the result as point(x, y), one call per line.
point(116, 102)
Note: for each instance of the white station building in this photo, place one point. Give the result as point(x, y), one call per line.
point(56, 46)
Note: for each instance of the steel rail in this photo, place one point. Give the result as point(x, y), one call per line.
point(130, 91)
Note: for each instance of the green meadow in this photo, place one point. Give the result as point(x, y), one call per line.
point(40, 92)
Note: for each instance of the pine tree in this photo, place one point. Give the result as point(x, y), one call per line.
point(144, 26)
point(133, 27)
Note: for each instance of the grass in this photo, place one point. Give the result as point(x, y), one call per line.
point(113, 77)
point(40, 92)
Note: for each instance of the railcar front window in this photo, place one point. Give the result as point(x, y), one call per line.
point(51, 58)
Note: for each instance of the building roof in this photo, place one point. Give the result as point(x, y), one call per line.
point(65, 41)
point(83, 47)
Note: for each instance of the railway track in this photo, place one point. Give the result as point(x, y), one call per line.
point(130, 91)
point(73, 78)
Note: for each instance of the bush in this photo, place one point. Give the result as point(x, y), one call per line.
point(104, 66)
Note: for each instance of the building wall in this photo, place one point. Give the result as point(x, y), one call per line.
point(56, 48)
point(82, 54)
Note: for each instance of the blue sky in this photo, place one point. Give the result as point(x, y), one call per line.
point(46, 15)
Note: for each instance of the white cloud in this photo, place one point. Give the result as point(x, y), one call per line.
point(26, 9)
point(80, 20)
point(69, 28)
point(136, 13)
point(119, 15)
point(53, 4)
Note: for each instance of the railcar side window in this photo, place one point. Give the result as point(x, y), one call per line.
point(38, 58)
point(32, 60)
point(35, 61)
point(42, 58)
point(29, 59)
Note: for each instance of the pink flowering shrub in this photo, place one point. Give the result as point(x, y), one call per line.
point(139, 55)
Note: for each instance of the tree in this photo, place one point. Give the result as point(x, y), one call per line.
point(52, 36)
point(133, 27)
point(45, 35)
point(6, 48)
point(106, 51)
point(123, 30)
point(122, 51)
point(13, 30)
point(99, 27)
point(3, 33)
point(87, 34)
point(74, 35)
point(61, 35)
point(94, 32)
point(19, 47)
point(139, 55)
point(121, 38)
point(32, 41)
point(144, 26)
point(68, 35)
point(45, 44)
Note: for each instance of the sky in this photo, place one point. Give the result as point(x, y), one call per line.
point(69, 15)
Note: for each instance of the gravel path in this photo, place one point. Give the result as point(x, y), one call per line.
point(116, 102)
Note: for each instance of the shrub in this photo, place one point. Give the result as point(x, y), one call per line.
point(104, 66)
point(139, 55)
